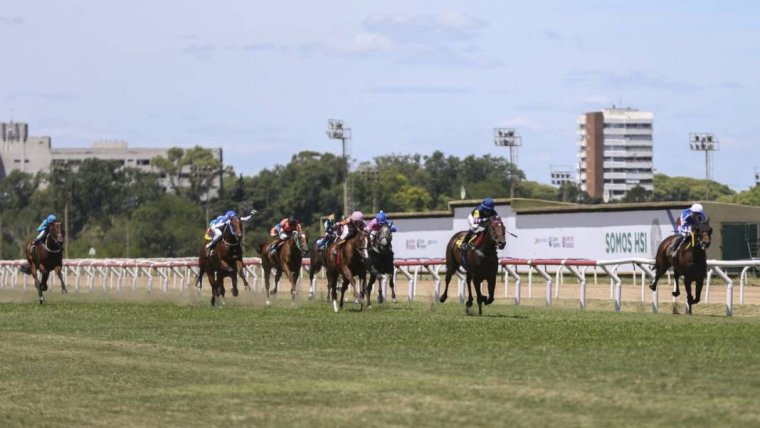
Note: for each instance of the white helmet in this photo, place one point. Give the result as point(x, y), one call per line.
point(697, 208)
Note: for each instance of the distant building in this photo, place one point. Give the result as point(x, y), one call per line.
point(615, 152)
point(35, 154)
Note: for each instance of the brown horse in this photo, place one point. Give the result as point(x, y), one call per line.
point(225, 261)
point(350, 264)
point(287, 260)
point(381, 263)
point(45, 257)
point(690, 261)
point(480, 263)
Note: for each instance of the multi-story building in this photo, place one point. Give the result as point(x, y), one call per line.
point(35, 154)
point(614, 152)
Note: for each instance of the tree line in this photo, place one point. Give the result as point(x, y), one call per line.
point(125, 212)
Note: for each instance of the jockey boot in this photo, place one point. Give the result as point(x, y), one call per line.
point(674, 246)
point(337, 247)
point(273, 248)
point(466, 240)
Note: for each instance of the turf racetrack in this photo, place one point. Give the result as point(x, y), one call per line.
point(75, 363)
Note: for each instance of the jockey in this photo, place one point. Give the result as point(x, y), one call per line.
point(330, 234)
point(689, 218)
point(477, 218)
point(378, 222)
point(216, 226)
point(283, 230)
point(349, 227)
point(44, 227)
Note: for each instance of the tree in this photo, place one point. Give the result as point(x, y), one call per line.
point(637, 194)
point(170, 226)
point(686, 189)
point(191, 172)
point(747, 197)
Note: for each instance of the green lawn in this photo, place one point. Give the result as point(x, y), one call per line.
point(110, 363)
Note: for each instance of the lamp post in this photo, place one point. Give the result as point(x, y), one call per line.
point(508, 137)
point(561, 175)
point(372, 176)
point(757, 175)
point(338, 131)
point(704, 142)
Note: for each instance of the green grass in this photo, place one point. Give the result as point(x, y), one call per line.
point(110, 363)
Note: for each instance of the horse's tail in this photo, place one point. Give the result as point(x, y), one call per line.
point(26, 268)
point(199, 278)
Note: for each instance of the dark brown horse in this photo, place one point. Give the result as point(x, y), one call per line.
point(349, 263)
point(381, 263)
point(480, 263)
point(690, 261)
point(226, 261)
point(287, 260)
point(46, 257)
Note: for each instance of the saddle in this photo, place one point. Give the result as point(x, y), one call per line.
point(474, 241)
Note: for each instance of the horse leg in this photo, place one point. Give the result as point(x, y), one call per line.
point(293, 277)
point(698, 292)
point(445, 295)
point(491, 290)
point(212, 284)
point(241, 274)
point(220, 286)
point(343, 289)
point(59, 272)
point(233, 277)
point(689, 297)
point(479, 294)
point(468, 303)
point(277, 276)
point(676, 287)
point(267, 272)
point(660, 270)
point(392, 285)
point(372, 279)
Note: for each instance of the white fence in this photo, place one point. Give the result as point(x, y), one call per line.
point(117, 274)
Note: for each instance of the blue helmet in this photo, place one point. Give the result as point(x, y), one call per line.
point(51, 218)
point(230, 214)
point(380, 217)
point(488, 204)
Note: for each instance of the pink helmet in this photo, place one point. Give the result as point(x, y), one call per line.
point(357, 216)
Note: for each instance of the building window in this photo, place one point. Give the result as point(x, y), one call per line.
point(143, 161)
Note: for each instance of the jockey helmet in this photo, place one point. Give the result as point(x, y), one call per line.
point(697, 208)
point(51, 218)
point(230, 214)
point(380, 217)
point(488, 203)
point(292, 220)
point(357, 216)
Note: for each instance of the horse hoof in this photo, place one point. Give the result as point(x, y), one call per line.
point(42, 299)
point(380, 299)
point(442, 298)
point(676, 293)
point(653, 287)
point(273, 292)
point(234, 292)
point(468, 304)
point(395, 300)
point(268, 302)
point(335, 306)
point(65, 291)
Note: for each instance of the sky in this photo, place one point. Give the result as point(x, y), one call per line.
point(260, 79)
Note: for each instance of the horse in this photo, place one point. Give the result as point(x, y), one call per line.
point(44, 257)
point(225, 261)
point(480, 263)
point(316, 261)
point(690, 261)
point(288, 260)
point(381, 263)
point(348, 262)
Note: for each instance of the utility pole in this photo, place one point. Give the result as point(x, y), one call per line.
point(338, 131)
point(704, 142)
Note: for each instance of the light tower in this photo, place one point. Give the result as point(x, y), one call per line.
point(508, 137)
point(704, 142)
point(757, 175)
point(338, 131)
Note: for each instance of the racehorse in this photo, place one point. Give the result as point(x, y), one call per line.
point(350, 264)
point(480, 263)
point(690, 261)
point(381, 263)
point(225, 261)
point(44, 257)
point(288, 260)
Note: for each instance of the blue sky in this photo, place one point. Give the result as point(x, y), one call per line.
point(261, 78)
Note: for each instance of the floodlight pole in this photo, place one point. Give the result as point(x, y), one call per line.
point(372, 176)
point(704, 142)
point(508, 137)
point(757, 175)
point(338, 131)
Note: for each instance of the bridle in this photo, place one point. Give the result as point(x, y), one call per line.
point(498, 239)
point(58, 245)
point(383, 240)
point(235, 238)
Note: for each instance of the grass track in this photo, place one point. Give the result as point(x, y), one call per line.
point(134, 364)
